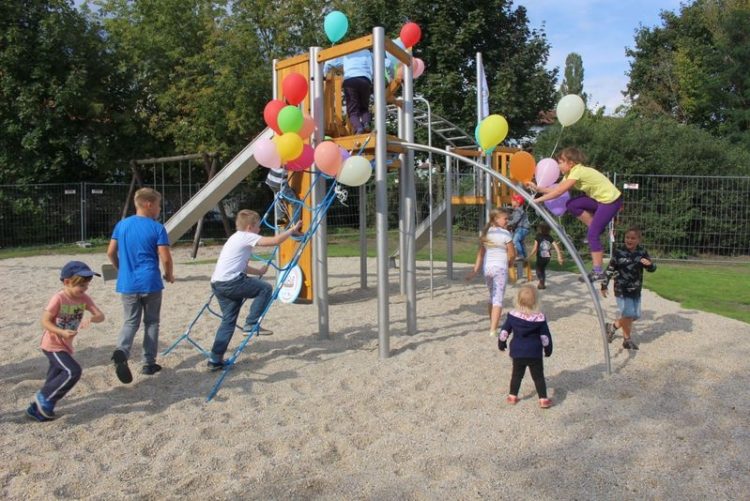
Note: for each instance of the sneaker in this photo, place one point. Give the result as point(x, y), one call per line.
point(33, 413)
point(151, 369)
point(610, 328)
point(121, 367)
point(217, 366)
point(593, 277)
point(545, 403)
point(44, 406)
point(541, 285)
point(512, 399)
point(261, 331)
point(629, 344)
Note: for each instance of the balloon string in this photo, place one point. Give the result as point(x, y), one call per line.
point(552, 155)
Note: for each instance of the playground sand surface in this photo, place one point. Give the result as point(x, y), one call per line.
point(301, 418)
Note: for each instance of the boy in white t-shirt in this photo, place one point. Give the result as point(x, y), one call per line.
point(232, 285)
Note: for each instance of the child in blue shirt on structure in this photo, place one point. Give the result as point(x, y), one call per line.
point(138, 243)
point(531, 340)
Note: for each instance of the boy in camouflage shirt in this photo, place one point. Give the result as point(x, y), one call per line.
point(626, 267)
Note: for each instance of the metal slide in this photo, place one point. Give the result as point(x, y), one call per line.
point(215, 190)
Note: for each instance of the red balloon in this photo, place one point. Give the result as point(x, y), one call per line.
point(411, 33)
point(294, 87)
point(271, 113)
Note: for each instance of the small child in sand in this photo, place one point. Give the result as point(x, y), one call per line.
point(496, 250)
point(543, 245)
point(626, 267)
point(531, 339)
point(62, 318)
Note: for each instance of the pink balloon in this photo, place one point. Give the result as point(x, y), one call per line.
point(417, 67)
point(328, 158)
point(308, 126)
point(547, 172)
point(304, 161)
point(558, 206)
point(266, 153)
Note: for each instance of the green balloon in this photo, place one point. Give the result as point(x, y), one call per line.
point(290, 119)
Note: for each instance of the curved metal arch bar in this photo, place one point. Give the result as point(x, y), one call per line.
point(546, 216)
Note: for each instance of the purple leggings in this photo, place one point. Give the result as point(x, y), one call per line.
point(603, 214)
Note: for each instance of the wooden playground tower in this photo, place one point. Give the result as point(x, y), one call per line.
point(337, 128)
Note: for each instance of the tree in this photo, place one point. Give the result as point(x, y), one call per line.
point(60, 94)
point(573, 81)
point(452, 33)
point(693, 68)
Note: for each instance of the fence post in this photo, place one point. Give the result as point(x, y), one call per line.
point(83, 211)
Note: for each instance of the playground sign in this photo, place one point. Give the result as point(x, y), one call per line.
point(289, 291)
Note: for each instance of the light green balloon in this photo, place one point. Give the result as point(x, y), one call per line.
point(290, 119)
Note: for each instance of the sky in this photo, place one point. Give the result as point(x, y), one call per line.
point(598, 30)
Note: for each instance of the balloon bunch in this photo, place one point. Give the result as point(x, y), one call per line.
point(292, 128)
point(334, 161)
point(409, 36)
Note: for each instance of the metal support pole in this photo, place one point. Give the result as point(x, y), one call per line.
point(320, 237)
point(410, 206)
point(429, 188)
point(448, 215)
point(363, 237)
point(402, 185)
point(381, 187)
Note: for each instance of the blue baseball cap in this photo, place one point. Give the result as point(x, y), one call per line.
point(76, 268)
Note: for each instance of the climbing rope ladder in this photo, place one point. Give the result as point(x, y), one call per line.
point(318, 214)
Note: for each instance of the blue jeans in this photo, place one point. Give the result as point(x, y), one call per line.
point(134, 306)
point(518, 236)
point(230, 295)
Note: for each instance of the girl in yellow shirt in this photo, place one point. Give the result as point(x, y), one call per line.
point(596, 209)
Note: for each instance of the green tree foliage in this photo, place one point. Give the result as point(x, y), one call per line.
point(453, 32)
point(573, 80)
point(694, 68)
point(643, 145)
point(61, 94)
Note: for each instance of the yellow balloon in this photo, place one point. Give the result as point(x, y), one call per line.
point(289, 146)
point(492, 130)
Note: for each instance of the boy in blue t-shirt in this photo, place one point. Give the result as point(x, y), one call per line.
point(138, 243)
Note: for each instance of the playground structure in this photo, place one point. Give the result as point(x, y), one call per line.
point(316, 197)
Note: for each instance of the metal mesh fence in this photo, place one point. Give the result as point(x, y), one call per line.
point(683, 217)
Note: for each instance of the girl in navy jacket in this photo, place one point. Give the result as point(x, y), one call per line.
point(531, 339)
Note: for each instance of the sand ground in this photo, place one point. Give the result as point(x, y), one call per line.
point(302, 418)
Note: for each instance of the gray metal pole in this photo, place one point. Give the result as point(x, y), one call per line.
point(402, 185)
point(448, 215)
point(381, 187)
point(362, 237)
point(320, 237)
point(410, 206)
point(429, 187)
point(552, 223)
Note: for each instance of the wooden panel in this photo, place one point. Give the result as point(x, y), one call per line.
point(467, 200)
point(345, 48)
point(300, 183)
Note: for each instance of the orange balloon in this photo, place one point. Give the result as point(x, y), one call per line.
point(522, 166)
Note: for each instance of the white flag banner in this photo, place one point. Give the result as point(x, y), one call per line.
point(485, 92)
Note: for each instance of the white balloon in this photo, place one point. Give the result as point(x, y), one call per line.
point(356, 171)
point(570, 109)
